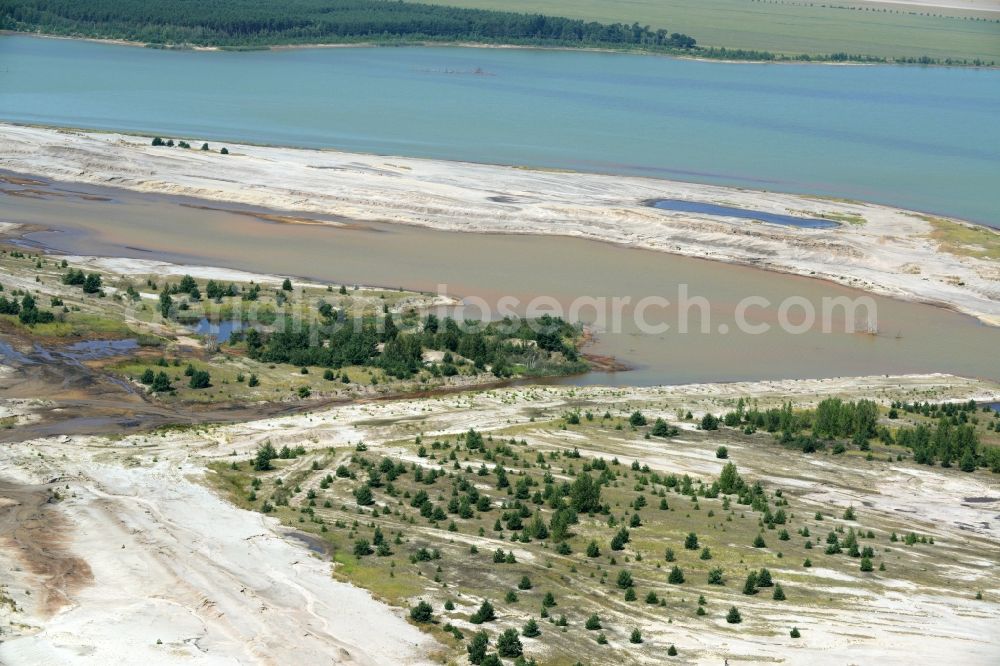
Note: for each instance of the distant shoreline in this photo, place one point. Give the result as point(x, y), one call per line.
point(779, 59)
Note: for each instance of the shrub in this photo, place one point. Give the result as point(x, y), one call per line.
point(200, 379)
point(422, 612)
point(637, 419)
point(624, 579)
point(363, 495)
point(722, 453)
point(661, 429)
point(477, 647)
point(593, 623)
point(486, 613)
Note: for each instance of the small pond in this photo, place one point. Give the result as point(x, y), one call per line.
point(684, 206)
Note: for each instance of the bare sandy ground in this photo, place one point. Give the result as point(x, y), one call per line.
point(179, 575)
point(890, 254)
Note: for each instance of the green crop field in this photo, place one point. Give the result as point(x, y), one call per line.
point(792, 27)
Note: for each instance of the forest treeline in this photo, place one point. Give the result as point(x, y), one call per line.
point(249, 24)
point(950, 439)
point(542, 346)
point(243, 23)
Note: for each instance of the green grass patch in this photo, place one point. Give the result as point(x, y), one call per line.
point(964, 239)
point(791, 27)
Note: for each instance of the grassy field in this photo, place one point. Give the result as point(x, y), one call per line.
point(792, 27)
point(965, 240)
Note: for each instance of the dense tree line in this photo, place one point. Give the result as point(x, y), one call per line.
point(27, 311)
point(944, 443)
point(257, 22)
point(340, 343)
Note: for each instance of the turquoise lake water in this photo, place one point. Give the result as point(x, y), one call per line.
point(922, 138)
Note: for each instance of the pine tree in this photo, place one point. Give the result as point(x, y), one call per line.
point(672, 651)
point(779, 594)
point(676, 576)
point(624, 579)
point(733, 616)
point(161, 383)
point(593, 623)
point(636, 637)
point(509, 645)
point(531, 629)
point(477, 647)
point(486, 613)
point(422, 612)
point(794, 633)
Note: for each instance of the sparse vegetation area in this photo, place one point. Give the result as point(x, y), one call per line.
point(213, 341)
point(965, 239)
point(546, 530)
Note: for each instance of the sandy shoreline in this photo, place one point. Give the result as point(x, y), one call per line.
point(891, 253)
point(782, 58)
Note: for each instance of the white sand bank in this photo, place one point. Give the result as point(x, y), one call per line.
point(891, 253)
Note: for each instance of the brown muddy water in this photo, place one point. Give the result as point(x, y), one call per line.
point(910, 337)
